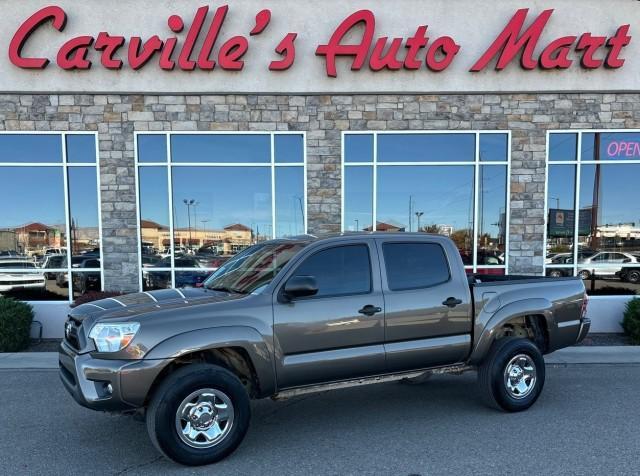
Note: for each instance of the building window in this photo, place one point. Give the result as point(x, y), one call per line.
point(449, 183)
point(592, 175)
point(50, 194)
point(203, 197)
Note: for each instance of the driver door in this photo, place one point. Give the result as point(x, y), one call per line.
point(338, 333)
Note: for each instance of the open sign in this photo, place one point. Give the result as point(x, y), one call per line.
point(621, 148)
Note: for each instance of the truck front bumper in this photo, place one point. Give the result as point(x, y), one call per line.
point(106, 385)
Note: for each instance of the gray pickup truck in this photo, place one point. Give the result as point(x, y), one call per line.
point(290, 316)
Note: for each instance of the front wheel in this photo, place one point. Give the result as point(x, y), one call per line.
point(199, 415)
point(512, 375)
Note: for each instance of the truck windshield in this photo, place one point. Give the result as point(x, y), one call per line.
point(253, 268)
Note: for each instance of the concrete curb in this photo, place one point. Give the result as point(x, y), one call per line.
point(29, 360)
point(568, 356)
point(623, 354)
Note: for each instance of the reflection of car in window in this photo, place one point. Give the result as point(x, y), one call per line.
point(162, 279)
point(630, 274)
point(53, 262)
point(83, 281)
point(15, 280)
point(62, 278)
point(604, 263)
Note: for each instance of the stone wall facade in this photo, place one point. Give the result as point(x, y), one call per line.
point(117, 117)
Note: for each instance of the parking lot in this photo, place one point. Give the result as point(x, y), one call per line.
point(586, 422)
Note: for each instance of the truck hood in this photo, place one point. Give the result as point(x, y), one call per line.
point(131, 305)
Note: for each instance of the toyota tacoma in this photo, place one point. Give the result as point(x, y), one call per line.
point(291, 316)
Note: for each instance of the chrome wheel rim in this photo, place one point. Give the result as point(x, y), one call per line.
point(204, 418)
point(520, 376)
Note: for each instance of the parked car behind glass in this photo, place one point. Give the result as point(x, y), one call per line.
point(162, 279)
point(86, 280)
point(18, 281)
point(604, 263)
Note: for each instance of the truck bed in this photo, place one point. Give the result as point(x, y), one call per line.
point(494, 279)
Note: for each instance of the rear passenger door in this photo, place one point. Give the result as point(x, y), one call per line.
point(427, 304)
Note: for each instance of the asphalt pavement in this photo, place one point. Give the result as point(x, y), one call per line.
point(586, 422)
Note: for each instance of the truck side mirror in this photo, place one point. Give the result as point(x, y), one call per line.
point(300, 286)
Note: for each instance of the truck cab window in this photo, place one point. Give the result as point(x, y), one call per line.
point(415, 265)
point(339, 271)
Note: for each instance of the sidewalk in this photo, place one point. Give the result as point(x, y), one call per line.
point(569, 356)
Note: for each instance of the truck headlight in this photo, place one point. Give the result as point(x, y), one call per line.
point(113, 337)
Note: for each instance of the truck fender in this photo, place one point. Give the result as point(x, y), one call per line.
point(488, 324)
point(247, 338)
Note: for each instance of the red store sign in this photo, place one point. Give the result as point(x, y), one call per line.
point(516, 42)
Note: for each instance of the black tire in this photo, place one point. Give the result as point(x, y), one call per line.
point(491, 374)
point(555, 273)
point(633, 276)
point(584, 274)
point(166, 400)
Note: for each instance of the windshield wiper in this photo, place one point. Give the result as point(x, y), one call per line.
point(224, 289)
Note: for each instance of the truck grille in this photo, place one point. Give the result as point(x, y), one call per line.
point(73, 334)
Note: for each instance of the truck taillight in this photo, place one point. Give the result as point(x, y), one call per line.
point(585, 301)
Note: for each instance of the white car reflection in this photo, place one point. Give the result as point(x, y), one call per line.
point(604, 263)
point(16, 280)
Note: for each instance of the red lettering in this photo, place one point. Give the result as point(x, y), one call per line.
point(138, 59)
point(212, 36)
point(555, 55)
point(287, 49)
point(615, 44)
point(510, 42)
point(449, 49)
point(380, 60)
point(590, 44)
point(359, 51)
point(166, 62)
point(414, 45)
point(262, 20)
point(73, 54)
point(192, 36)
point(231, 52)
point(58, 19)
point(109, 45)
point(176, 25)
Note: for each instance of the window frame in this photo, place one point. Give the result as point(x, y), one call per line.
point(476, 163)
point(312, 253)
point(577, 163)
point(170, 164)
point(433, 243)
point(65, 165)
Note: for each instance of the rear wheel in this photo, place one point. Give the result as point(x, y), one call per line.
point(512, 375)
point(633, 276)
point(198, 415)
point(555, 273)
point(584, 274)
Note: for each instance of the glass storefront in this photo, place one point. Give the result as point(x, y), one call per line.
point(204, 197)
point(592, 176)
point(50, 225)
point(449, 183)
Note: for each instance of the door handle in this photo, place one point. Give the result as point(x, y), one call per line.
point(452, 302)
point(370, 310)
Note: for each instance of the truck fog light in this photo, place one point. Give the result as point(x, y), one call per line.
point(109, 388)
